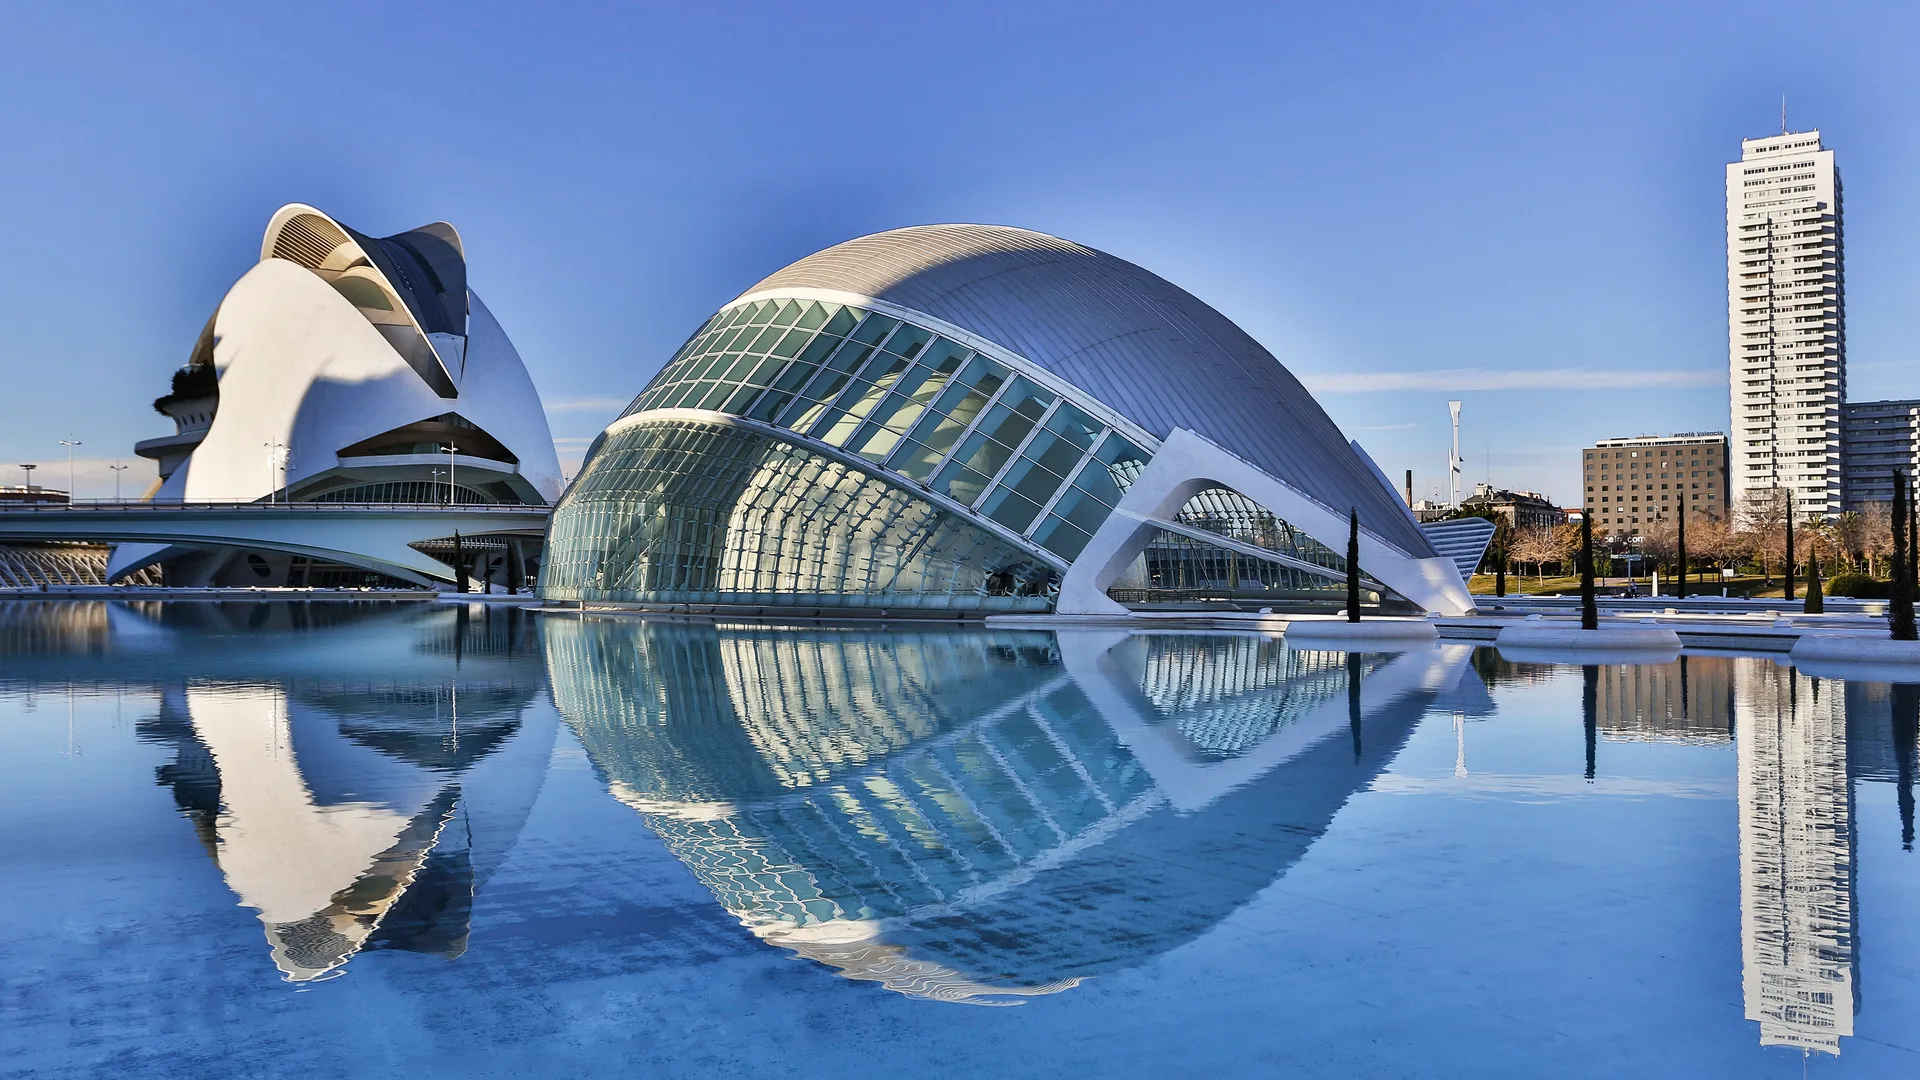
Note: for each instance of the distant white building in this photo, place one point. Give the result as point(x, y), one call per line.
point(1786, 320)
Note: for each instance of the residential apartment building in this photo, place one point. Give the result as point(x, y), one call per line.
point(1786, 320)
point(1632, 483)
point(1877, 438)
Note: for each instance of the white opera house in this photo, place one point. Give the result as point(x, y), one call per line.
point(346, 368)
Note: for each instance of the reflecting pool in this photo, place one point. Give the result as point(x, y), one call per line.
point(331, 839)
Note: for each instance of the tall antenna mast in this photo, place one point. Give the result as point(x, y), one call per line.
point(1453, 461)
point(1783, 113)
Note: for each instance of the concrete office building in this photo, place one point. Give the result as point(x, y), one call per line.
point(1632, 483)
point(1786, 320)
point(1879, 437)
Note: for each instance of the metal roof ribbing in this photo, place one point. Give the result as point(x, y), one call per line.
point(1133, 340)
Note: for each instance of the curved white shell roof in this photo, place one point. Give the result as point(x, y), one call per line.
point(1135, 341)
point(300, 365)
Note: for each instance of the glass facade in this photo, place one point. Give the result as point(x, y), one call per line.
point(672, 509)
point(681, 511)
point(910, 402)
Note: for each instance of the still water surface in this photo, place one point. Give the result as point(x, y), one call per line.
point(337, 840)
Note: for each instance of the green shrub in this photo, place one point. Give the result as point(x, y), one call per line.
point(1857, 585)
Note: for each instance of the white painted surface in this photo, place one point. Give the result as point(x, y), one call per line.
point(1187, 464)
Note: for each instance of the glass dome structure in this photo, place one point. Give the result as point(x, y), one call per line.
point(948, 417)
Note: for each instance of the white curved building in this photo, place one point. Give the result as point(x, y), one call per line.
point(979, 417)
point(338, 369)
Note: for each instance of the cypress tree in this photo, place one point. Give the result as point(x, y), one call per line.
point(1681, 591)
point(1900, 596)
point(1353, 565)
point(1589, 611)
point(1816, 604)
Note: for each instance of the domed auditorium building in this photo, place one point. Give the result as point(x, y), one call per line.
point(976, 418)
point(341, 368)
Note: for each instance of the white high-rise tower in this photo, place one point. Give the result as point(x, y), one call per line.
point(1786, 321)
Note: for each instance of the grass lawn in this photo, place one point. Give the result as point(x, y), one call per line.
point(1528, 585)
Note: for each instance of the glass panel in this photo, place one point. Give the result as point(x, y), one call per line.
point(1011, 510)
point(874, 443)
point(843, 321)
point(790, 344)
point(764, 342)
point(1006, 426)
point(815, 315)
point(1061, 538)
point(789, 311)
point(1097, 479)
point(1074, 426)
point(1081, 509)
point(844, 421)
point(874, 328)
point(1032, 481)
point(764, 371)
point(767, 407)
point(916, 460)
point(944, 355)
point(964, 485)
point(738, 402)
point(817, 349)
point(1054, 453)
point(1124, 461)
point(715, 396)
point(908, 341)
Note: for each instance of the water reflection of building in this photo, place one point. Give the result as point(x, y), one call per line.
point(950, 814)
point(1689, 700)
point(353, 781)
point(1797, 920)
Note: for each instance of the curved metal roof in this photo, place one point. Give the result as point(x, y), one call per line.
point(1138, 343)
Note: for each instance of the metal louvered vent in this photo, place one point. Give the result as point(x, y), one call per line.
point(307, 240)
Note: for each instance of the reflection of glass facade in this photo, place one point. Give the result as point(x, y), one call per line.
point(949, 814)
point(908, 411)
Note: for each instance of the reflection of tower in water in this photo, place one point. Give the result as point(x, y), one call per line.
point(1796, 859)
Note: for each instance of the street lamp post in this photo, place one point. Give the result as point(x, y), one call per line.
point(117, 470)
point(273, 447)
point(69, 442)
point(450, 449)
point(28, 469)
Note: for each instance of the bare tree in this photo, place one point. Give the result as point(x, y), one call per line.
point(1538, 545)
point(1762, 525)
point(1875, 543)
point(1659, 542)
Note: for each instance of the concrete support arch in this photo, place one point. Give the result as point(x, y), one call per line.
point(1187, 464)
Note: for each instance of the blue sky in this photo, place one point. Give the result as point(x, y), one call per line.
point(1519, 205)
